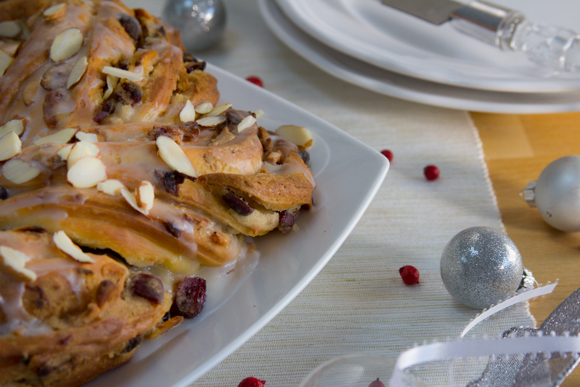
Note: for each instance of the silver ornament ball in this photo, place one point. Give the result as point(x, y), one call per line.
point(481, 266)
point(200, 22)
point(557, 193)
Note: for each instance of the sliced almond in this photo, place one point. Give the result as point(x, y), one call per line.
point(61, 137)
point(19, 172)
point(66, 44)
point(110, 187)
point(5, 61)
point(55, 12)
point(211, 121)
point(13, 261)
point(204, 108)
point(77, 72)
point(187, 113)
point(295, 134)
point(259, 114)
point(111, 83)
point(87, 172)
point(10, 146)
point(10, 46)
point(145, 195)
point(133, 77)
point(16, 126)
point(219, 109)
point(64, 152)
point(79, 150)
point(9, 29)
point(67, 246)
point(174, 156)
point(132, 200)
point(246, 123)
point(89, 137)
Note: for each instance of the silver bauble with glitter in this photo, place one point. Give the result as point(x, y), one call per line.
point(481, 266)
point(200, 22)
point(556, 193)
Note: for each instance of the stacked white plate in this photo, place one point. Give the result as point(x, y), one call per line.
point(379, 48)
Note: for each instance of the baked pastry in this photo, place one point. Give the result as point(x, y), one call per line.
point(117, 163)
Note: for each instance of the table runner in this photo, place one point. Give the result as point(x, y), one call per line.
point(358, 302)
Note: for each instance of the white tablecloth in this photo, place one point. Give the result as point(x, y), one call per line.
point(358, 302)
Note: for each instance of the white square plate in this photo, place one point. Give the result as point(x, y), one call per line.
point(348, 174)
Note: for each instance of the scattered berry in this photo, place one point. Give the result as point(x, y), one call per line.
point(431, 172)
point(255, 80)
point(377, 383)
point(410, 276)
point(388, 154)
point(252, 382)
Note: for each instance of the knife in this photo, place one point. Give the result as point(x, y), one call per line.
point(552, 47)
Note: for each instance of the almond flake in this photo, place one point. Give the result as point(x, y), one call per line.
point(145, 195)
point(5, 61)
point(111, 83)
point(77, 72)
point(61, 137)
point(13, 261)
point(9, 29)
point(10, 146)
point(16, 126)
point(67, 246)
point(89, 137)
point(86, 172)
point(79, 150)
point(110, 186)
point(219, 109)
point(211, 121)
point(54, 12)
point(204, 108)
point(259, 114)
point(66, 44)
point(122, 74)
point(295, 134)
point(64, 152)
point(187, 113)
point(19, 172)
point(174, 156)
point(246, 123)
point(10, 46)
point(132, 200)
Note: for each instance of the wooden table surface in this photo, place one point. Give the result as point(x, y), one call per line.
point(517, 148)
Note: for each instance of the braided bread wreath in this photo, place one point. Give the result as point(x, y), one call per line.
point(115, 161)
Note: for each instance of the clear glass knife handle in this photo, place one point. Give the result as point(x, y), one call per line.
point(548, 46)
point(552, 47)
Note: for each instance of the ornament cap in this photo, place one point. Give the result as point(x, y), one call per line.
point(528, 193)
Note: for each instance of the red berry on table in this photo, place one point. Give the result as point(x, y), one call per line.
point(388, 154)
point(431, 172)
point(252, 382)
point(377, 383)
point(255, 80)
point(409, 274)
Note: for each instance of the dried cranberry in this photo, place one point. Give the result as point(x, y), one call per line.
point(191, 66)
point(131, 26)
point(3, 193)
point(147, 286)
point(255, 80)
point(252, 382)
point(388, 154)
point(431, 172)
point(107, 108)
point(377, 383)
point(409, 275)
point(237, 204)
point(171, 180)
point(187, 57)
point(286, 222)
point(189, 297)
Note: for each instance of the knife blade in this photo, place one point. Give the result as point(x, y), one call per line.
point(552, 47)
